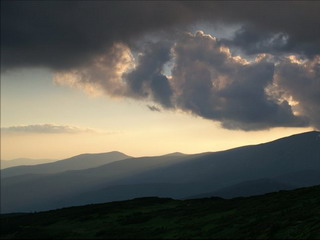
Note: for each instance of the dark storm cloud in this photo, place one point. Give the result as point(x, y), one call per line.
point(296, 20)
point(147, 78)
point(213, 84)
point(103, 74)
point(252, 40)
point(68, 34)
point(302, 83)
point(93, 45)
point(208, 81)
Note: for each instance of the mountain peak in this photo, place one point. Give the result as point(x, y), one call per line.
point(175, 154)
point(104, 153)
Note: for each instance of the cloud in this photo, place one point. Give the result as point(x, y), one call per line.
point(253, 40)
point(123, 49)
point(103, 74)
point(116, 74)
point(147, 79)
point(65, 35)
point(300, 83)
point(213, 84)
point(154, 108)
point(205, 80)
point(46, 129)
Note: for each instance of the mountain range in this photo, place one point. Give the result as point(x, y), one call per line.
point(82, 161)
point(286, 163)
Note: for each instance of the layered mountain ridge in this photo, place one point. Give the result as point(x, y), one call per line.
point(286, 163)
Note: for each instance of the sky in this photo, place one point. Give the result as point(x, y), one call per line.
point(150, 78)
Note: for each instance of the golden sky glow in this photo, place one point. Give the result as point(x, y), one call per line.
point(126, 126)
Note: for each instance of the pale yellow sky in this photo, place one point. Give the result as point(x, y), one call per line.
point(162, 133)
point(123, 125)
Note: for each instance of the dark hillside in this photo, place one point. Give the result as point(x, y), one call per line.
point(281, 215)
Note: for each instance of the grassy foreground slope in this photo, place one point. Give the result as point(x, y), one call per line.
point(282, 215)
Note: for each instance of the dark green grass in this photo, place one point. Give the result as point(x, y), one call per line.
point(282, 215)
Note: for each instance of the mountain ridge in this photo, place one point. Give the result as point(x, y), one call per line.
point(78, 162)
point(183, 176)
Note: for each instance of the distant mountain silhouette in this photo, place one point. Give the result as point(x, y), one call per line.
point(281, 164)
point(23, 162)
point(19, 192)
point(78, 162)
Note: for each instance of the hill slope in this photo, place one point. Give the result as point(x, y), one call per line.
point(247, 188)
point(283, 156)
point(282, 215)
